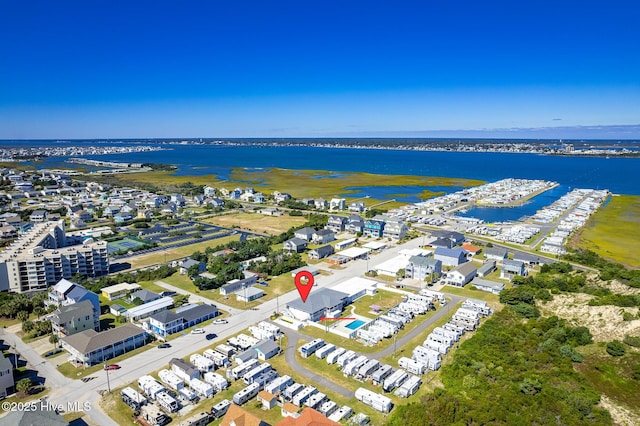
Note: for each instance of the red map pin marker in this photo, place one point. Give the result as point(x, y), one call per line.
point(304, 288)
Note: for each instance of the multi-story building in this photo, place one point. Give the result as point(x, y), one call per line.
point(6, 377)
point(67, 293)
point(40, 258)
point(72, 319)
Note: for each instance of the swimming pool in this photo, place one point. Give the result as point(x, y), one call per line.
point(355, 324)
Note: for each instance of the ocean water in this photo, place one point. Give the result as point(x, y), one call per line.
point(615, 174)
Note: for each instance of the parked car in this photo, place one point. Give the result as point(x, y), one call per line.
point(164, 345)
point(220, 321)
point(198, 331)
point(112, 367)
point(211, 336)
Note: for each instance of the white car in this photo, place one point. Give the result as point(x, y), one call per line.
point(220, 321)
point(198, 331)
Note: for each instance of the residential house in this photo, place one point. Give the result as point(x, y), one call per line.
point(147, 309)
point(234, 285)
point(355, 224)
point(323, 236)
point(184, 370)
point(289, 410)
point(511, 268)
point(117, 310)
point(356, 207)
point(8, 231)
point(487, 267)
point(528, 259)
point(266, 349)
point(281, 197)
point(495, 253)
point(395, 229)
point(215, 202)
point(170, 208)
point(83, 215)
point(144, 295)
point(166, 322)
point(236, 416)
point(39, 216)
point(66, 293)
point(7, 384)
point(321, 203)
point(321, 252)
point(110, 211)
point(209, 191)
point(337, 204)
point(122, 217)
point(249, 190)
point(249, 294)
point(443, 242)
point(456, 237)
point(258, 197)
point(118, 291)
point(72, 319)
point(246, 197)
point(336, 223)
point(421, 268)
point(91, 347)
point(461, 275)
point(450, 257)
point(224, 192)
point(320, 303)
point(178, 200)
point(373, 228)
point(305, 233)
point(309, 416)
point(295, 245)
point(187, 263)
point(486, 285)
point(235, 194)
point(267, 399)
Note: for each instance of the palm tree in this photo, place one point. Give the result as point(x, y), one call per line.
point(22, 316)
point(53, 339)
point(38, 310)
point(24, 385)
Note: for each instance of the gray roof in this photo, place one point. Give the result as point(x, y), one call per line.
point(422, 260)
point(189, 262)
point(297, 241)
point(324, 232)
point(250, 291)
point(443, 251)
point(90, 340)
point(479, 282)
point(321, 298)
point(324, 250)
point(144, 295)
point(76, 310)
point(466, 269)
point(266, 346)
point(34, 417)
point(165, 317)
point(526, 257)
point(247, 355)
point(305, 231)
point(495, 251)
point(487, 266)
point(198, 311)
point(185, 366)
point(5, 363)
point(512, 264)
point(117, 307)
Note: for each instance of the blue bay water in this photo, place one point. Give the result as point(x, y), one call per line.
point(615, 174)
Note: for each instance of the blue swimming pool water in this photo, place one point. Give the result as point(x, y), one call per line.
point(354, 324)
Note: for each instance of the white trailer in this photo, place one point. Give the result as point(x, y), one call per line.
point(413, 367)
point(309, 349)
point(374, 400)
point(132, 398)
point(477, 305)
point(150, 386)
point(216, 380)
point(225, 350)
point(381, 373)
point(368, 368)
point(239, 371)
point(409, 387)
point(459, 331)
point(303, 395)
point(218, 359)
point(167, 402)
point(171, 379)
point(202, 363)
point(265, 378)
point(333, 356)
point(325, 350)
point(202, 389)
point(316, 400)
point(327, 408)
point(439, 331)
point(188, 394)
point(432, 364)
point(343, 412)
point(246, 394)
point(252, 374)
point(278, 385)
point(221, 408)
point(292, 390)
point(352, 367)
point(394, 380)
point(345, 358)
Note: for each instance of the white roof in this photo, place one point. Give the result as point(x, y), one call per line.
point(392, 266)
point(414, 252)
point(375, 245)
point(355, 285)
point(149, 307)
point(353, 252)
point(119, 287)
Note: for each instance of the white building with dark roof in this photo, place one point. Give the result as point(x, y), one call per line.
point(320, 302)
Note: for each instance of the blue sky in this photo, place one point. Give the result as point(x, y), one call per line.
point(99, 69)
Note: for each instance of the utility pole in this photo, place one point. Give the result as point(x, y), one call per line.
point(107, 371)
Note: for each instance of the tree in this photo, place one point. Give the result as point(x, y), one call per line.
point(400, 274)
point(616, 348)
point(180, 300)
point(39, 311)
point(24, 385)
point(22, 316)
point(53, 339)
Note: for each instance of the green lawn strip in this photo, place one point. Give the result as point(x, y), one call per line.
point(7, 322)
point(470, 293)
point(36, 392)
point(383, 298)
point(150, 285)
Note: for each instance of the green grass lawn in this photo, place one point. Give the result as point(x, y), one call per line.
point(613, 231)
point(385, 299)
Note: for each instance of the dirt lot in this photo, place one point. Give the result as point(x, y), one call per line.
point(258, 222)
point(619, 414)
point(604, 322)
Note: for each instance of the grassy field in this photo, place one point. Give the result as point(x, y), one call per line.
point(258, 222)
point(163, 256)
point(614, 231)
